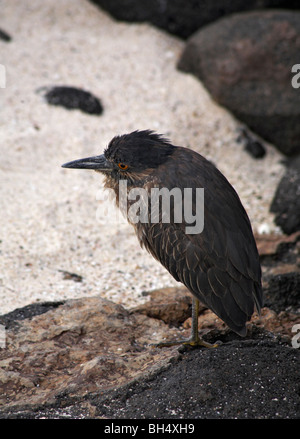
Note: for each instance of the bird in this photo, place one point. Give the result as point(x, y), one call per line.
point(218, 262)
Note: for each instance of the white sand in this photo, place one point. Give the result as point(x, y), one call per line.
point(48, 214)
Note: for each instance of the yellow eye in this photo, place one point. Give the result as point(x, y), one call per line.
point(123, 166)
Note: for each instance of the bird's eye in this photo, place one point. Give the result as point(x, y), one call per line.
point(123, 166)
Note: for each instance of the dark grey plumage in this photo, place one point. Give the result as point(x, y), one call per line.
point(220, 266)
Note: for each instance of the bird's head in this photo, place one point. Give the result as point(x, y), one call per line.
point(130, 156)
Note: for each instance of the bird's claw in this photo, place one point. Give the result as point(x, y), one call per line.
point(200, 342)
point(188, 342)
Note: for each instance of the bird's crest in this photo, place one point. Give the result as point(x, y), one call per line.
point(142, 148)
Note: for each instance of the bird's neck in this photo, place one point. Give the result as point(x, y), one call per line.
point(127, 190)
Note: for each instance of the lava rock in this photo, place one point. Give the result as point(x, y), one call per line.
point(183, 17)
point(245, 62)
point(203, 384)
point(83, 345)
point(283, 292)
point(247, 379)
point(275, 249)
point(280, 260)
point(280, 322)
point(286, 201)
point(253, 146)
point(73, 98)
point(4, 36)
point(11, 319)
point(90, 357)
point(172, 305)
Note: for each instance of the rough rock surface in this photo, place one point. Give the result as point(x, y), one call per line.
point(78, 347)
point(254, 379)
point(92, 358)
point(245, 61)
point(171, 305)
point(280, 258)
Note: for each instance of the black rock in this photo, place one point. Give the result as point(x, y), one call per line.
point(245, 62)
point(286, 202)
point(12, 318)
point(4, 36)
point(73, 98)
point(283, 293)
point(184, 17)
point(253, 146)
point(246, 379)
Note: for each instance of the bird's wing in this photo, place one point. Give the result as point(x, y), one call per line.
point(212, 277)
point(220, 266)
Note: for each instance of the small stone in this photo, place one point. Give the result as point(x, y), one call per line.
point(4, 36)
point(253, 146)
point(73, 98)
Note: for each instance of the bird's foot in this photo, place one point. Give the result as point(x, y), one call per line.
point(200, 342)
point(193, 342)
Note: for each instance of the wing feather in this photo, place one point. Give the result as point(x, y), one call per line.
point(220, 266)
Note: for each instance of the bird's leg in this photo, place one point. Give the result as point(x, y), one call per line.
point(194, 340)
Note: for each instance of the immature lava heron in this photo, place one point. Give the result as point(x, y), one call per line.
point(220, 266)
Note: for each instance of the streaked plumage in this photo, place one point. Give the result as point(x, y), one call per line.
point(220, 266)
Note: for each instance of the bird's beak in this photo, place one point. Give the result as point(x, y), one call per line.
point(98, 163)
